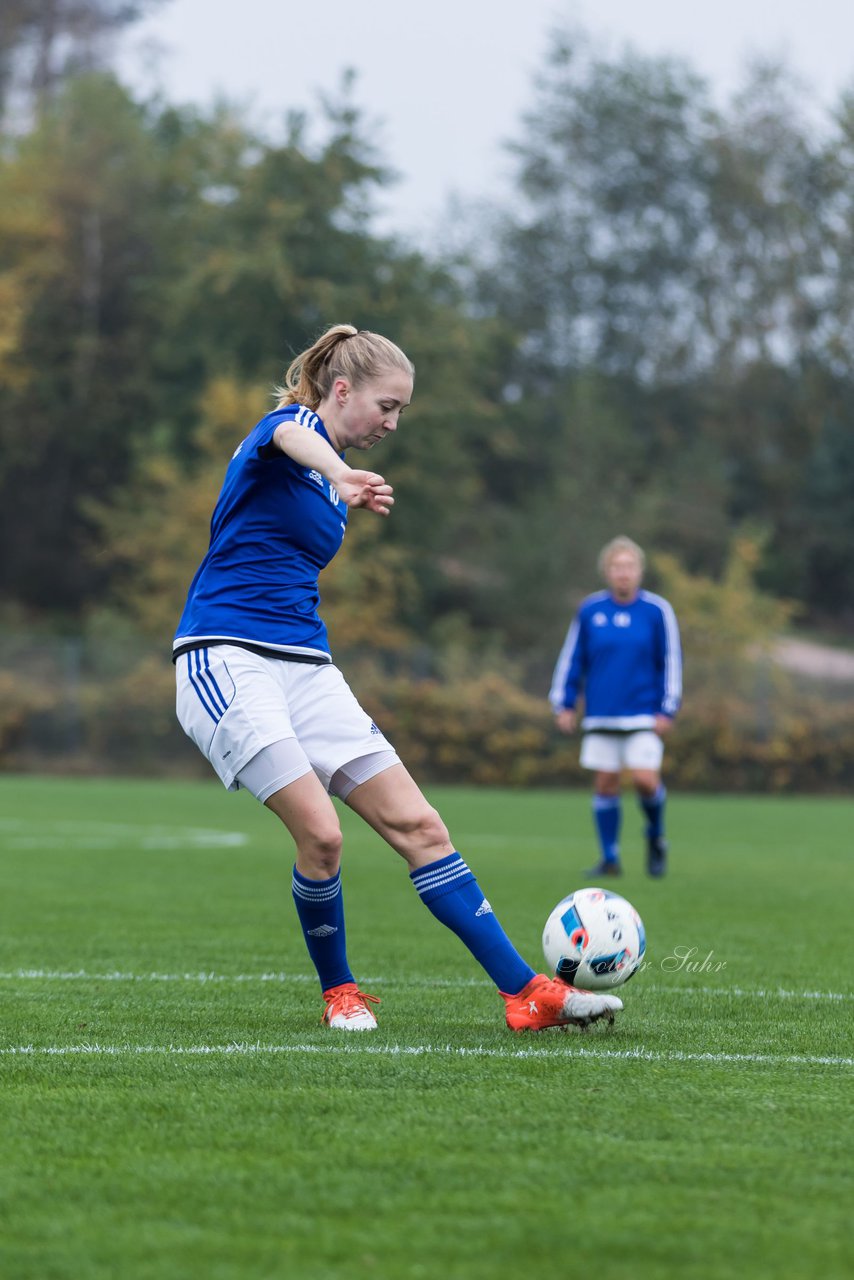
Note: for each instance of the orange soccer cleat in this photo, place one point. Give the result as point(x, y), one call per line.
point(347, 1008)
point(547, 1002)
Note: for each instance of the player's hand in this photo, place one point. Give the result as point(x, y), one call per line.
point(566, 720)
point(663, 725)
point(366, 489)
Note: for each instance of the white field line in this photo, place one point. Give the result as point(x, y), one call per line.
point(245, 1049)
point(203, 977)
point(19, 834)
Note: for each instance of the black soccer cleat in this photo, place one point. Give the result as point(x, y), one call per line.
point(604, 869)
point(656, 856)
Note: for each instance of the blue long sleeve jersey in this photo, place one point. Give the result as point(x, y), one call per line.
point(627, 660)
point(276, 525)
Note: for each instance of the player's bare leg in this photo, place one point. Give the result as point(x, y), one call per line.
point(392, 803)
point(308, 813)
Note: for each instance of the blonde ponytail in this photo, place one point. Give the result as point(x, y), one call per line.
point(341, 352)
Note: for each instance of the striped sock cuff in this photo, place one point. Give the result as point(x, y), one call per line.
point(441, 877)
point(316, 892)
point(603, 803)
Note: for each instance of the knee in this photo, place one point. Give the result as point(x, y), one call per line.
point(422, 832)
point(646, 783)
point(319, 851)
point(432, 830)
point(607, 784)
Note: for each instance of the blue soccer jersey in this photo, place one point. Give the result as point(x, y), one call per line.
point(627, 660)
point(276, 524)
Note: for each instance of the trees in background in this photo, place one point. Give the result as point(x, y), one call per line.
point(677, 277)
point(45, 42)
point(653, 337)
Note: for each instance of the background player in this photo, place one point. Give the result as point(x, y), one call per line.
point(623, 650)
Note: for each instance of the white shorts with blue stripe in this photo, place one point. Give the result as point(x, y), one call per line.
point(234, 703)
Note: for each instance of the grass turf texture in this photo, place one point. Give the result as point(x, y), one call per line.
point(201, 1122)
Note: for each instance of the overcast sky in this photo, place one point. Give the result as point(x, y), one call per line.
point(446, 81)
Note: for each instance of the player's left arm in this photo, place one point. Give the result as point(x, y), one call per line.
point(670, 666)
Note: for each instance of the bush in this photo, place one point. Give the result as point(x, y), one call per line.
point(99, 708)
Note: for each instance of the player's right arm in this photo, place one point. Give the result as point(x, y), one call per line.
point(356, 488)
point(567, 678)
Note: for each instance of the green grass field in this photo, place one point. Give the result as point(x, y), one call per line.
point(171, 1106)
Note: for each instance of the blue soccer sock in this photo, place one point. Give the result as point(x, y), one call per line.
point(450, 891)
point(653, 807)
point(607, 814)
point(320, 907)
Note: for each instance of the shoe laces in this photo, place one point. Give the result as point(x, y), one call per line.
point(346, 1001)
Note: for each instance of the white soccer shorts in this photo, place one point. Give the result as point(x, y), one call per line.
point(611, 752)
point(234, 703)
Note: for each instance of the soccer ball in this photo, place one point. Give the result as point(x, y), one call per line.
point(594, 940)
